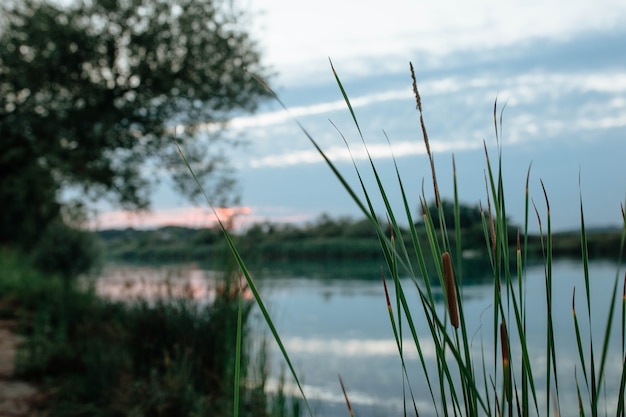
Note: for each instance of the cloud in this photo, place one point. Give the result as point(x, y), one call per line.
point(520, 88)
point(196, 217)
point(272, 118)
point(525, 93)
point(375, 151)
point(182, 216)
point(297, 37)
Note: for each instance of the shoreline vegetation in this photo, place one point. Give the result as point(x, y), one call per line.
point(326, 240)
point(90, 356)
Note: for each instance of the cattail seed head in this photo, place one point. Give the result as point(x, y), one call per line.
point(504, 342)
point(448, 279)
point(506, 366)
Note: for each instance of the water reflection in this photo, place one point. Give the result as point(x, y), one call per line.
point(336, 322)
point(123, 282)
point(348, 332)
point(476, 270)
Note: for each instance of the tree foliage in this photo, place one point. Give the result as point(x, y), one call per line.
point(90, 94)
point(469, 216)
point(66, 251)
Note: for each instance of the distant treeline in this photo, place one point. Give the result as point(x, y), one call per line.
point(331, 239)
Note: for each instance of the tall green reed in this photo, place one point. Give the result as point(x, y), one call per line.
point(500, 382)
point(257, 297)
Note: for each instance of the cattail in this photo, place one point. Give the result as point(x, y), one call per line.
point(506, 367)
point(492, 228)
point(382, 274)
point(418, 101)
point(448, 279)
point(415, 92)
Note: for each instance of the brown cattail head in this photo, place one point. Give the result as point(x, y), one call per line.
point(492, 227)
point(504, 341)
point(382, 274)
point(448, 279)
point(506, 366)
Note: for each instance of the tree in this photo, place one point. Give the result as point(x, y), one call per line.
point(91, 93)
point(471, 221)
point(469, 216)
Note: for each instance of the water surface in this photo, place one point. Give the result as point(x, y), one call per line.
point(333, 323)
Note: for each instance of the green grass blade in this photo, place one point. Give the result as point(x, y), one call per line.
point(581, 354)
point(397, 334)
point(581, 409)
point(237, 378)
point(457, 225)
point(621, 250)
point(417, 248)
point(438, 327)
point(605, 343)
point(518, 312)
point(251, 285)
point(550, 349)
point(416, 339)
point(381, 188)
point(622, 392)
point(585, 254)
point(388, 247)
point(346, 99)
point(623, 327)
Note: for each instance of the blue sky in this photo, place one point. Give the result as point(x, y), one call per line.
point(560, 67)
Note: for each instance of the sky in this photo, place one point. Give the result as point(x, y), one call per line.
point(558, 68)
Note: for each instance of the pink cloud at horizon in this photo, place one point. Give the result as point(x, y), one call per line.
point(195, 217)
point(236, 218)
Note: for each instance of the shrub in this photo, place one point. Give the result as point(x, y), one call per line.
point(66, 251)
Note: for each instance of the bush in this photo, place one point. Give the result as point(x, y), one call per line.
point(66, 251)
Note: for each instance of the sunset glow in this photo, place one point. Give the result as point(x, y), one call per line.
point(195, 217)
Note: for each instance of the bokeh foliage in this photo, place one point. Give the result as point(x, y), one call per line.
point(90, 93)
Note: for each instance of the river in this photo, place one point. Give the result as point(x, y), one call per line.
point(334, 322)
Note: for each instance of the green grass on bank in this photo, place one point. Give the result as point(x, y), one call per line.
point(99, 358)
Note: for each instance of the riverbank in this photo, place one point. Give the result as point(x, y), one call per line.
point(96, 357)
point(18, 398)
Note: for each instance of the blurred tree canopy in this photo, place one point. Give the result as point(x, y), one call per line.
point(90, 94)
point(471, 219)
point(469, 216)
